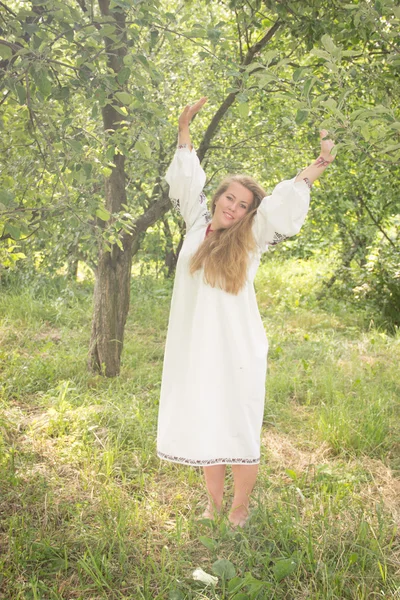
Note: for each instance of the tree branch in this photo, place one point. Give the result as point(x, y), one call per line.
point(377, 223)
point(150, 216)
point(8, 236)
point(82, 5)
point(8, 9)
point(229, 100)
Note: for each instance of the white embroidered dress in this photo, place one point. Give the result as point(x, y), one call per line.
point(213, 383)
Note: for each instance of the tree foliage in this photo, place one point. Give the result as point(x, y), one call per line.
point(90, 90)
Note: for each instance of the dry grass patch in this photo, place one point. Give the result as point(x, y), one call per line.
point(283, 453)
point(374, 481)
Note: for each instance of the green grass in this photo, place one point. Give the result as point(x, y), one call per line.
point(87, 511)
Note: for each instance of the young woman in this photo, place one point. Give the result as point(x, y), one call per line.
point(213, 385)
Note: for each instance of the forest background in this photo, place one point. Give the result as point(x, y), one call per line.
point(91, 92)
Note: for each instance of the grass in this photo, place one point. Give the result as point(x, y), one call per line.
point(87, 511)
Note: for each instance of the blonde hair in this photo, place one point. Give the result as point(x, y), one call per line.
point(225, 254)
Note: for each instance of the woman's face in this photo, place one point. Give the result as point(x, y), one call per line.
point(231, 206)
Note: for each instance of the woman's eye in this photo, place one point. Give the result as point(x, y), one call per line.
point(243, 206)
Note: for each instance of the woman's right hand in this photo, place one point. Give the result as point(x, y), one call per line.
point(189, 112)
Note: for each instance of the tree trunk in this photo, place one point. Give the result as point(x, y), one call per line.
point(110, 310)
point(113, 274)
point(112, 287)
point(171, 255)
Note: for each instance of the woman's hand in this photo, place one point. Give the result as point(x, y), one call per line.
point(189, 112)
point(326, 146)
point(311, 173)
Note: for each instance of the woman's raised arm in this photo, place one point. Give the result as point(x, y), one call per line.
point(184, 121)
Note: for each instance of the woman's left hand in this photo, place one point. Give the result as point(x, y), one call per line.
point(189, 112)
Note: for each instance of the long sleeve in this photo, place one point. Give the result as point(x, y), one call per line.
point(186, 179)
point(282, 214)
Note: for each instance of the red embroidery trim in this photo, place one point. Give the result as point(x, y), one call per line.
point(208, 230)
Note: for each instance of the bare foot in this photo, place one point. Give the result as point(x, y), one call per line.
point(238, 516)
point(211, 512)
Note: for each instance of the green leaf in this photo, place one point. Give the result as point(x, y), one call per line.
point(353, 558)
point(308, 84)
point(124, 97)
point(292, 474)
point(351, 52)
point(197, 32)
point(119, 243)
point(121, 110)
point(241, 597)
point(284, 567)
point(6, 197)
point(123, 75)
point(224, 568)
point(390, 148)
point(143, 60)
point(176, 595)
point(103, 214)
point(106, 171)
point(63, 92)
point(21, 91)
point(301, 116)
point(209, 543)
point(75, 145)
point(69, 35)
point(43, 83)
point(125, 4)
point(143, 148)
point(270, 55)
point(264, 79)
point(244, 109)
point(87, 167)
point(5, 52)
point(328, 44)
point(297, 73)
point(107, 30)
point(235, 584)
point(365, 132)
point(253, 66)
point(254, 585)
point(320, 54)
point(335, 149)
point(14, 231)
point(330, 103)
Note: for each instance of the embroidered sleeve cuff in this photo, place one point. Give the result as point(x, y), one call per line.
point(308, 182)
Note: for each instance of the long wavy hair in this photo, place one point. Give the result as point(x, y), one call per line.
point(225, 253)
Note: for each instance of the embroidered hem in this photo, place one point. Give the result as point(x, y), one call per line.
point(210, 461)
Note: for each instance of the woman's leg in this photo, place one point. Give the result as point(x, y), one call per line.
point(215, 479)
point(244, 478)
